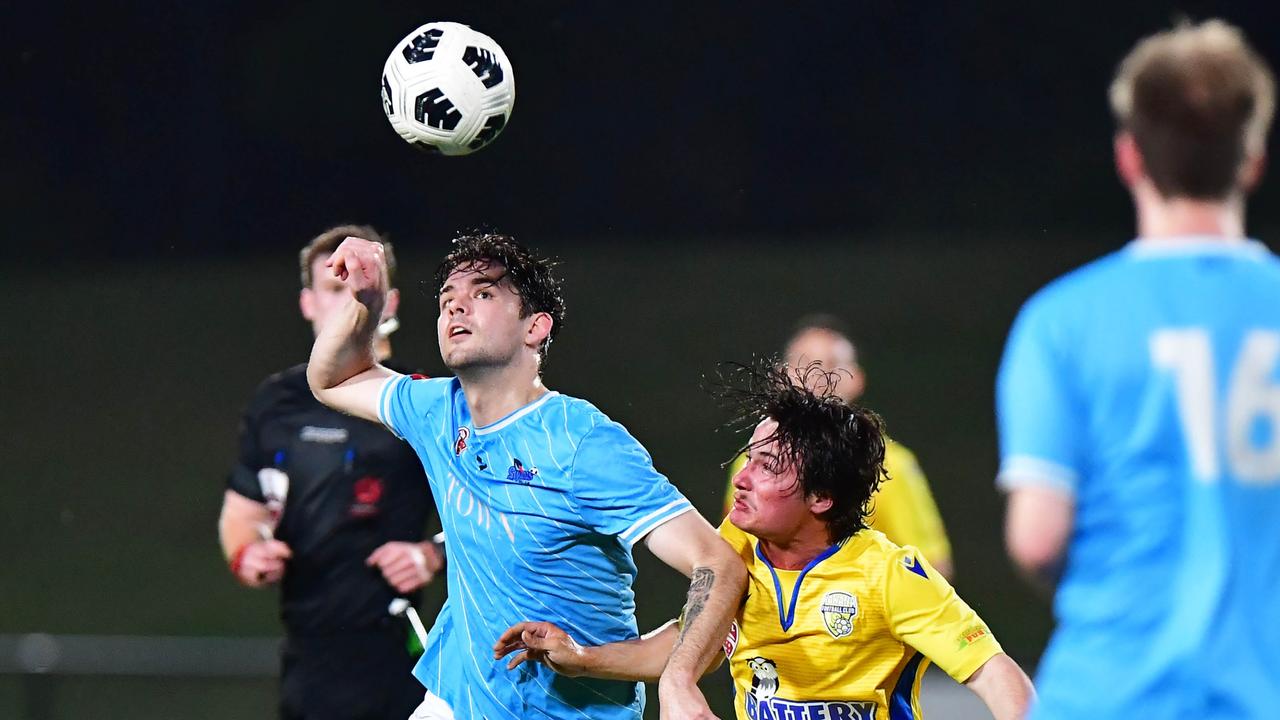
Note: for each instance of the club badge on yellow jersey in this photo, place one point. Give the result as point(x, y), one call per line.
point(848, 636)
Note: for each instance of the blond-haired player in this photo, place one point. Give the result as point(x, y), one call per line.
point(1139, 411)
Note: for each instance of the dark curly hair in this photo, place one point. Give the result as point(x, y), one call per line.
point(529, 275)
point(837, 448)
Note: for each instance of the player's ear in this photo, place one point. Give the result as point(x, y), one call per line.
point(307, 304)
point(393, 304)
point(1129, 164)
point(857, 382)
point(539, 330)
point(819, 504)
point(1251, 172)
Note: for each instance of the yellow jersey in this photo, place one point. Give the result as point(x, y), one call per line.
point(850, 635)
point(903, 508)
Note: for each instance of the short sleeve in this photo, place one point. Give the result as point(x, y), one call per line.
point(243, 478)
point(616, 487)
point(406, 401)
point(1039, 418)
point(927, 614)
point(737, 539)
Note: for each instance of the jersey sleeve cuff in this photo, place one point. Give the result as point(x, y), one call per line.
point(974, 660)
point(1019, 471)
point(384, 403)
point(646, 524)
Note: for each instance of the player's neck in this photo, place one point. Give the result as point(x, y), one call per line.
point(498, 392)
point(796, 552)
point(382, 349)
point(1165, 219)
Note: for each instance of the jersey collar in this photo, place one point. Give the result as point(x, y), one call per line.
point(1196, 246)
point(516, 415)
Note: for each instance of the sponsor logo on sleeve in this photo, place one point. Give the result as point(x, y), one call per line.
point(971, 635)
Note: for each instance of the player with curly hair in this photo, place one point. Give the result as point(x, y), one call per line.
point(542, 497)
point(837, 621)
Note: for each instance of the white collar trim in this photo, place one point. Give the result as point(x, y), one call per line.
point(1188, 245)
point(495, 427)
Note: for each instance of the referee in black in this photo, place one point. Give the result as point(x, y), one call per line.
point(334, 509)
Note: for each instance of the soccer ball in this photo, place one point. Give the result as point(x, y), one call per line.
point(448, 89)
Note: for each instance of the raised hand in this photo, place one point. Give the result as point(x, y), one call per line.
point(362, 266)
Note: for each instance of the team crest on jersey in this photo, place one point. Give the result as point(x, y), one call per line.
point(838, 612)
point(461, 443)
point(764, 678)
point(518, 473)
point(731, 642)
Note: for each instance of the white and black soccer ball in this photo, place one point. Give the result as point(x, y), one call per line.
point(448, 89)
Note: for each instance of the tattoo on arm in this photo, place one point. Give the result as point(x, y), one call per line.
point(699, 589)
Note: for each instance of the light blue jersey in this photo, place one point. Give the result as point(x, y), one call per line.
point(1145, 385)
point(541, 510)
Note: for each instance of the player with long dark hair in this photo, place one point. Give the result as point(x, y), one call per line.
point(837, 621)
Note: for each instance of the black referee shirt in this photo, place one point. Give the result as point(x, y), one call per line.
point(352, 487)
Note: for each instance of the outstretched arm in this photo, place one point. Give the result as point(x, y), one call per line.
point(343, 372)
point(639, 660)
point(1003, 686)
point(718, 578)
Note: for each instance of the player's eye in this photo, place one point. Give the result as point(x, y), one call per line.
point(484, 294)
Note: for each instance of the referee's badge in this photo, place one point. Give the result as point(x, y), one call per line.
point(838, 611)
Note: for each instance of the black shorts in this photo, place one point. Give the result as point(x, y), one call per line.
point(355, 676)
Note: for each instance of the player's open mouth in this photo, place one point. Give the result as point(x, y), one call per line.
point(458, 330)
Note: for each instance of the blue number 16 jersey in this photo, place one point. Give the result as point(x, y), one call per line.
point(1145, 385)
point(541, 510)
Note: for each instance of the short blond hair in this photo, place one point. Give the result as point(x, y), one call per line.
point(1198, 101)
point(329, 240)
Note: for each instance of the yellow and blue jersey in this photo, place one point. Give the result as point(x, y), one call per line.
point(1145, 386)
point(904, 508)
point(541, 510)
point(849, 636)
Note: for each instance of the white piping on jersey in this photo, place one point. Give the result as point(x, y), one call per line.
point(467, 622)
point(1030, 471)
point(564, 403)
point(495, 427)
point(1191, 245)
point(547, 516)
point(479, 673)
point(520, 556)
point(639, 524)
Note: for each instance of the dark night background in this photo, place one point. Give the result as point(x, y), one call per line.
point(706, 172)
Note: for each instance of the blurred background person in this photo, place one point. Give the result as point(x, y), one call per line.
point(1139, 413)
point(903, 508)
point(334, 508)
